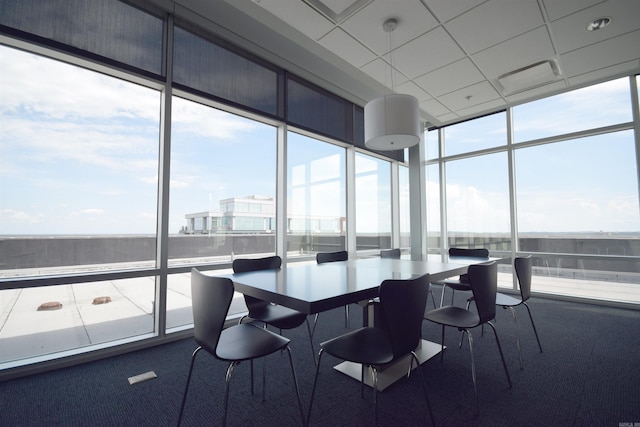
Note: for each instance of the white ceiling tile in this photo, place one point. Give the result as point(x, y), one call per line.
point(450, 77)
point(516, 53)
point(347, 48)
point(569, 33)
point(381, 71)
point(601, 55)
point(367, 25)
point(410, 88)
point(442, 48)
point(426, 53)
point(299, 15)
point(473, 95)
point(483, 108)
point(435, 108)
point(447, 9)
point(558, 8)
point(451, 117)
point(605, 73)
point(494, 22)
point(378, 69)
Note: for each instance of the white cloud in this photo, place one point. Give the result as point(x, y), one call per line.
point(92, 211)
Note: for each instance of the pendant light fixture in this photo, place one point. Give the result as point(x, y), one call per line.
point(392, 121)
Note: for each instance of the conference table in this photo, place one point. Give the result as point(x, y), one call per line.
point(313, 288)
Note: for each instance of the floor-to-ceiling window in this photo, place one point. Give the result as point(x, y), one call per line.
point(477, 184)
point(477, 198)
point(220, 208)
point(373, 202)
point(117, 181)
point(572, 194)
point(79, 183)
point(316, 196)
point(576, 179)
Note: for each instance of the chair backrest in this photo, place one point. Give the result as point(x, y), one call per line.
point(402, 304)
point(523, 271)
point(241, 265)
point(322, 257)
point(472, 253)
point(484, 285)
point(210, 300)
point(390, 253)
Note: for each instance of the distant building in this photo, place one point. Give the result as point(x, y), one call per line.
point(256, 214)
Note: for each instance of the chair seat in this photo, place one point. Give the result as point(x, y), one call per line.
point(279, 316)
point(456, 284)
point(369, 346)
point(453, 316)
point(246, 341)
point(505, 300)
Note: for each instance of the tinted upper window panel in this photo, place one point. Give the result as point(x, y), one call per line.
point(107, 28)
point(211, 68)
point(319, 111)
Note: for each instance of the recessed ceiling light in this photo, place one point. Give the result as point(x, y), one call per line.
point(598, 24)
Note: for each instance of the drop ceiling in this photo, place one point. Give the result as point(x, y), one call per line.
point(454, 56)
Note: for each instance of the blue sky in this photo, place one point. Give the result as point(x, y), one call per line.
point(79, 155)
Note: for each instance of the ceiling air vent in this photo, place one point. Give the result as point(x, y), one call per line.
point(528, 77)
point(337, 10)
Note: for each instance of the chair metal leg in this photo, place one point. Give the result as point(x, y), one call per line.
point(374, 376)
point(534, 325)
point(504, 364)
point(186, 389)
point(433, 298)
point(226, 390)
point(424, 385)
point(473, 367)
point(361, 381)
point(313, 389)
point(346, 316)
point(515, 320)
point(295, 383)
point(444, 287)
point(442, 345)
point(264, 326)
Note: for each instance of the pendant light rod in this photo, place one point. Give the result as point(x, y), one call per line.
point(391, 122)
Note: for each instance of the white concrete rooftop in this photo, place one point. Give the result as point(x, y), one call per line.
point(27, 332)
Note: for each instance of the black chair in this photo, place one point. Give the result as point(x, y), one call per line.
point(390, 253)
point(323, 258)
point(395, 254)
point(402, 304)
point(523, 272)
point(264, 311)
point(462, 282)
point(483, 279)
point(211, 298)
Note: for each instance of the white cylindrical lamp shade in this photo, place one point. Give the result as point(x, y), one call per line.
point(392, 122)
